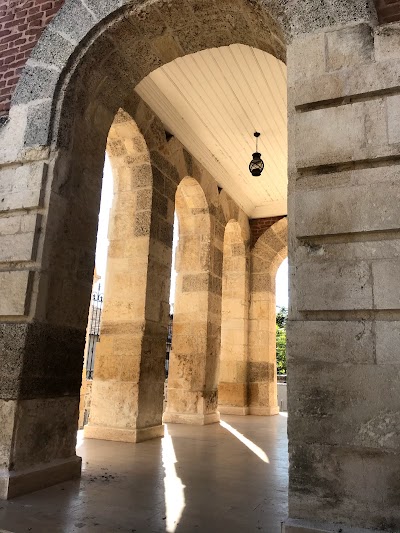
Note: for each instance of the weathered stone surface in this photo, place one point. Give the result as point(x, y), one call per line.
point(306, 58)
point(366, 78)
point(13, 293)
point(386, 286)
point(52, 49)
point(334, 286)
point(22, 187)
point(348, 47)
point(360, 132)
point(393, 117)
point(75, 21)
point(17, 238)
point(56, 417)
point(7, 416)
point(310, 17)
point(361, 471)
point(387, 343)
point(349, 209)
point(387, 42)
point(37, 130)
point(332, 342)
point(40, 361)
point(37, 83)
point(351, 418)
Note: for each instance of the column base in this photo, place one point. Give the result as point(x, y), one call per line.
point(233, 410)
point(39, 477)
point(190, 419)
point(123, 435)
point(263, 411)
point(304, 526)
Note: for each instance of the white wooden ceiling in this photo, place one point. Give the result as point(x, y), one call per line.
point(213, 102)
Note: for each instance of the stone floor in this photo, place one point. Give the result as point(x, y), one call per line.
point(215, 479)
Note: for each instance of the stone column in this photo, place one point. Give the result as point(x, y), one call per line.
point(344, 320)
point(193, 368)
point(44, 295)
point(266, 256)
point(233, 388)
point(129, 374)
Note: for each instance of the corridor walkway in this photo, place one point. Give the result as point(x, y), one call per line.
point(222, 478)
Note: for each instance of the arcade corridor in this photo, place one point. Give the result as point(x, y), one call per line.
point(228, 477)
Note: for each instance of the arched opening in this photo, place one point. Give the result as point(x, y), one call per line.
point(266, 257)
point(51, 164)
point(87, 95)
point(96, 306)
point(233, 387)
point(282, 307)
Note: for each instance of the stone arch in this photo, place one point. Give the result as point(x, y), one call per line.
point(125, 45)
point(83, 35)
point(232, 388)
point(268, 253)
point(83, 70)
point(192, 380)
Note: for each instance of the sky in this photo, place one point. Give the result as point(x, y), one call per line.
point(104, 215)
point(102, 244)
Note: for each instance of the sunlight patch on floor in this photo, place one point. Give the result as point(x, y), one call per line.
point(247, 442)
point(283, 414)
point(173, 486)
point(79, 439)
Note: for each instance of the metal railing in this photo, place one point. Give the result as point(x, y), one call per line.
point(94, 331)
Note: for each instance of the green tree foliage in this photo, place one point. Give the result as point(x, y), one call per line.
point(281, 317)
point(281, 321)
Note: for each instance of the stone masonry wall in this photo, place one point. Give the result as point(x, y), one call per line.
point(21, 24)
point(344, 239)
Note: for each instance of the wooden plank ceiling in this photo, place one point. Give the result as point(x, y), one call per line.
point(213, 102)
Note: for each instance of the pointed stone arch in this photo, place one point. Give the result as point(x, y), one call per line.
point(268, 253)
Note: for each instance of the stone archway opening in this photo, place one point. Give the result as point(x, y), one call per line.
point(84, 69)
point(90, 106)
point(266, 256)
point(282, 309)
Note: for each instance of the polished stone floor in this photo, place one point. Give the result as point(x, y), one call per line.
point(228, 477)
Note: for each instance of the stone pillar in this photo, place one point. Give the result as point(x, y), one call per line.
point(233, 388)
point(129, 374)
point(344, 317)
point(44, 296)
point(268, 253)
point(194, 357)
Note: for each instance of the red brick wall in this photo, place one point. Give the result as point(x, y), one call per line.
point(21, 23)
point(388, 10)
point(259, 225)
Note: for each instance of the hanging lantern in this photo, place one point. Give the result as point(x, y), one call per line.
point(256, 164)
